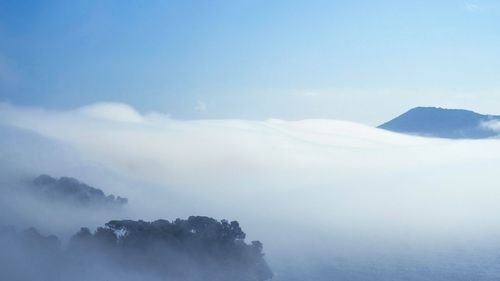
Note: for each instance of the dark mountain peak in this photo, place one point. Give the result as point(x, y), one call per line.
point(442, 123)
point(426, 110)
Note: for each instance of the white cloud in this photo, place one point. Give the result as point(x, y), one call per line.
point(493, 125)
point(341, 183)
point(471, 7)
point(112, 111)
point(201, 106)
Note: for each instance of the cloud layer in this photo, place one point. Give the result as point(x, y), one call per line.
point(332, 188)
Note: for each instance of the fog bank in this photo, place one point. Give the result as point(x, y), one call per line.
point(327, 198)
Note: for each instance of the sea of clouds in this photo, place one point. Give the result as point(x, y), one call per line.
point(329, 199)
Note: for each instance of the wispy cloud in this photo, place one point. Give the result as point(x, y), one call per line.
point(493, 125)
point(472, 7)
point(201, 106)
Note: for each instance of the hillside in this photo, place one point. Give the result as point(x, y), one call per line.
point(443, 123)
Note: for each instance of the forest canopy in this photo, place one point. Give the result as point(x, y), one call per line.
point(198, 248)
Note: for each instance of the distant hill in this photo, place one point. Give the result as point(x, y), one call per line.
point(443, 123)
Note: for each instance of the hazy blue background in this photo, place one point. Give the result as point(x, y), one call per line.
point(364, 61)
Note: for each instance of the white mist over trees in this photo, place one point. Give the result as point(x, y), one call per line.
point(328, 199)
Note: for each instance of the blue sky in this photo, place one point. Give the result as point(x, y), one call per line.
point(363, 61)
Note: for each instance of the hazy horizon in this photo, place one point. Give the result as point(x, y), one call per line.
point(351, 60)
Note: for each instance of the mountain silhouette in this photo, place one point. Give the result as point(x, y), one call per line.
point(444, 123)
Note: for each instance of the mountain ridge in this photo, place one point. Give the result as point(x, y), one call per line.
point(443, 123)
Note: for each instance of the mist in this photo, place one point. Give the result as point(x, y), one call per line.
point(329, 199)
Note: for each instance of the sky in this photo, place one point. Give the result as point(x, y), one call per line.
point(362, 61)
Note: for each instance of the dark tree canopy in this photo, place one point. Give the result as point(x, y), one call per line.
point(199, 248)
point(70, 190)
point(196, 249)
